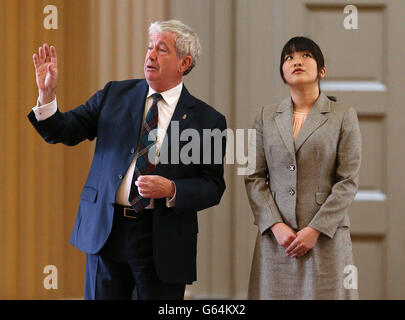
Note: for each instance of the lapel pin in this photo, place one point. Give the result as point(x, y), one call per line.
point(184, 116)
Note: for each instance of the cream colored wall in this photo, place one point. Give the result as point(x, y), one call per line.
point(238, 73)
point(119, 37)
point(40, 183)
point(96, 41)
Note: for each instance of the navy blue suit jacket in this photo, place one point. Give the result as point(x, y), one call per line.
point(114, 116)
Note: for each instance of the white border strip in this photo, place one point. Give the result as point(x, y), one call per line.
point(370, 195)
point(353, 86)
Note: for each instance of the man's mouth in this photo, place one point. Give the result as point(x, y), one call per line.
point(150, 67)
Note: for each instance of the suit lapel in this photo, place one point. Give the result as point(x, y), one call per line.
point(314, 120)
point(284, 121)
point(135, 103)
point(179, 121)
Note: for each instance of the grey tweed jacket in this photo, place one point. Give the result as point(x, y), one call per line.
point(309, 181)
point(312, 180)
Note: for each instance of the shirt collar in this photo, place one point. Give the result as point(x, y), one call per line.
point(171, 95)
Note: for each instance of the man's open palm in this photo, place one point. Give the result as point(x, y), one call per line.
point(46, 72)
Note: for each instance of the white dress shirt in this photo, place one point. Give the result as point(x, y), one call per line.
point(166, 108)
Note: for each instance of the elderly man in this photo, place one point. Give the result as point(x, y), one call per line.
point(137, 217)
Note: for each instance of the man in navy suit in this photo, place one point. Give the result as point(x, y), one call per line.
point(152, 246)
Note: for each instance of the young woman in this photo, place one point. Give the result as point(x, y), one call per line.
point(300, 186)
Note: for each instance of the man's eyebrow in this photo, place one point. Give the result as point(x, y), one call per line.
point(161, 42)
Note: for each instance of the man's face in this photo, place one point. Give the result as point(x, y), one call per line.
point(163, 68)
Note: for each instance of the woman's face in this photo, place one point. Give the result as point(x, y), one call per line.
point(301, 68)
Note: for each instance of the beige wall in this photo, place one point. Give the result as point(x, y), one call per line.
point(238, 73)
point(102, 40)
point(39, 182)
point(97, 41)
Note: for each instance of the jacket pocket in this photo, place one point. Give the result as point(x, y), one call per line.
point(320, 197)
point(89, 194)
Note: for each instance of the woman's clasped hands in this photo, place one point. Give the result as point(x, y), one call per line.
point(297, 244)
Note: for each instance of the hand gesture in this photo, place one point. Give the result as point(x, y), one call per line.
point(155, 187)
point(46, 73)
point(284, 234)
point(306, 239)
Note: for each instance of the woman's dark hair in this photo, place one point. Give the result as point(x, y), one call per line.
point(303, 44)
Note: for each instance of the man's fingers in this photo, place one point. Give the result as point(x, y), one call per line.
point(47, 54)
point(54, 58)
point(143, 181)
point(41, 53)
point(141, 184)
point(143, 178)
point(149, 178)
point(36, 60)
point(144, 194)
point(144, 184)
point(145, 191)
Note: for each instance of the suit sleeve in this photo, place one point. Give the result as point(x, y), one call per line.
point(72, 127)
point(334, 209)
point(265, 210)
point(206, 189)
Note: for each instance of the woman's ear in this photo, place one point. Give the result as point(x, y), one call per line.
point(322, 73)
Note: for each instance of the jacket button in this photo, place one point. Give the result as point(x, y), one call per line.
point(292, 192)
point(292, 167)
point(132, 150)
point(120, 176)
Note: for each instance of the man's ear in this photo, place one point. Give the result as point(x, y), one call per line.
point(185, 64)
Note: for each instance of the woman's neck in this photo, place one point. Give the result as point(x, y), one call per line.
point(304, 98)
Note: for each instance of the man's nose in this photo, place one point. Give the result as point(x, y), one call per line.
point(152, 54)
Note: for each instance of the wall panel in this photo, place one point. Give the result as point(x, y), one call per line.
point(363, 71)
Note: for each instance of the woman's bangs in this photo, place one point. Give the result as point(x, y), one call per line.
point(299, 44)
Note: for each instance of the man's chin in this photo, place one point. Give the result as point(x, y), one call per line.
point(151, 75)
point(154, 83)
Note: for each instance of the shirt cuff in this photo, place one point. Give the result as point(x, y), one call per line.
point(45, 111)
point(171, 202)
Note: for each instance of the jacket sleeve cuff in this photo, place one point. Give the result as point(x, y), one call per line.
point(171, 202)
point(45, 111)
point(329, 232)
point(267, 223)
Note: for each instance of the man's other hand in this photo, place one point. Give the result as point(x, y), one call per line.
point(155, 187)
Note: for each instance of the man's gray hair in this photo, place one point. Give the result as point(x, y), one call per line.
point(187, 41)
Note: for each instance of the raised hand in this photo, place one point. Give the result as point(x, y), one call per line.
point(46, 73)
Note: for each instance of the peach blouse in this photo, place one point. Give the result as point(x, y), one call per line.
point(298, 121)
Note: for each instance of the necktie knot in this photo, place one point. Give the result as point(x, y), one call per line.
point(156, 97)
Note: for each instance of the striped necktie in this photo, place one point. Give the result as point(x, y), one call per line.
point(143, 165)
